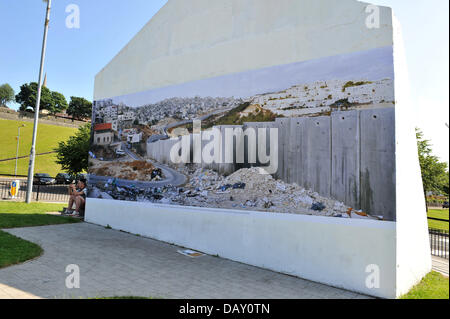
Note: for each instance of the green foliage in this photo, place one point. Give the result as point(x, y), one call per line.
point(79, 108)
point(60, 103)
point(6, 94)
point(433, 286)
point(351, 84)
point(233, 117)
point(73, 155)
point(435, 175)
point(27, 97)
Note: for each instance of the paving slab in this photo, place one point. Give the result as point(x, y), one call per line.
point(440, 265)
point(113, 263)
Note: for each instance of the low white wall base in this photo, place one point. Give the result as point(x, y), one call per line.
point(331, 251)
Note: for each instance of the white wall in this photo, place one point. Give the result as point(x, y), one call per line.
point(413, 246)
point(197, 39)
point(332, 251)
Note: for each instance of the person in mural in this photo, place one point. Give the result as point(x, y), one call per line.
point(78, 194)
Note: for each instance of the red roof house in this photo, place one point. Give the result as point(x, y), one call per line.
point(103, 127)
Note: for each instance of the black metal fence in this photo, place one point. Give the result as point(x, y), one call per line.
point(439, 242)
point(43, 193)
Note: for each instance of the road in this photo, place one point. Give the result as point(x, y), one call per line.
point(165, 134)
point(172, 177)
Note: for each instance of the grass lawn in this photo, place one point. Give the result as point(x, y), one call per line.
point(47, 140)
point(441, 214)
point(14, 215)
point(433, 286)
point(14, 250)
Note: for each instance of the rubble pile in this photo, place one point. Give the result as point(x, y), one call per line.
point(136, 170)
point(113, 190)
point(263, 191)
point(247, 189)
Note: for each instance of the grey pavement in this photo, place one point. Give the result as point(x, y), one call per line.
point(440, 265)
point(114, 263)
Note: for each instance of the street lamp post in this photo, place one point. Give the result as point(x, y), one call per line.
point(17, 151)
point(36, 110)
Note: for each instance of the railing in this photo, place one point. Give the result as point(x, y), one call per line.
point(439, 241)
point(43, 193)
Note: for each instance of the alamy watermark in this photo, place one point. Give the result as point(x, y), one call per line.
point(373, 18)
point(73, 17)
point(373, 279)
point(73, 279)
point(230, 145)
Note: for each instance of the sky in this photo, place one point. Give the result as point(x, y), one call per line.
point(371, 65)
point(75, 56)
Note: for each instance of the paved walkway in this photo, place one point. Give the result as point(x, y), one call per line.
point(113, 263)
point(440, 265)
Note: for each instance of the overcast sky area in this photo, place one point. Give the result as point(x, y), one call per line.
point(75, 56)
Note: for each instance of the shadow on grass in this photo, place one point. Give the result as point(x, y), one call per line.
point(33, 220)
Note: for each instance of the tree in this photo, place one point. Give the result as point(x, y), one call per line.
point(435, 175)
point(73, 155)
point(27, 97)
point(6, 94)
point(79, 108)
point(60, 103)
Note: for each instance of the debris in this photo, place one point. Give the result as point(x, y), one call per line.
point(250, 203)
point(281, 187)
point(156, 173)
point(304, 199)
point(165, 200)
point(225, 187)
point(206, 188)
point(267, 203)
point(239, 186)
point(349, 212)
point(360, 213)
point(318, 207)
point(190, 253)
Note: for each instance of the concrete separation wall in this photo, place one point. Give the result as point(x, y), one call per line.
point(327, 250)
point(349, 156)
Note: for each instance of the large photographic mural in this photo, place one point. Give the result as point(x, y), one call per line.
point(313, 138)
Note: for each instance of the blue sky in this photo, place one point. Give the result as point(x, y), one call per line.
point(74, 56)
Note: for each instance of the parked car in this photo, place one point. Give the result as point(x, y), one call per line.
point(120, 152)
point(43, 179)
point(79, 177)
point(63, 179)
point(445, 205)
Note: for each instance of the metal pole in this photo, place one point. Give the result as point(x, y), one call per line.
point(36, 110)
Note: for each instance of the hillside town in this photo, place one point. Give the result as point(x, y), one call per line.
point(301, 100)
point(122, 116)
point(325, 96)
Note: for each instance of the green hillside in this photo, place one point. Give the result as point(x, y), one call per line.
point(47, 140)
